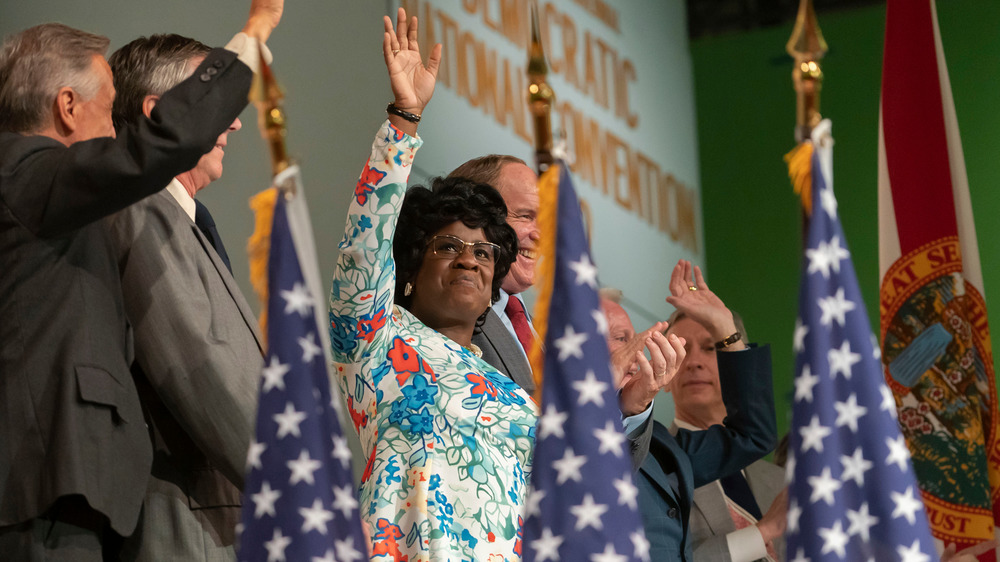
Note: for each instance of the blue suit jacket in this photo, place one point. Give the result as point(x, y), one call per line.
point(674, 467)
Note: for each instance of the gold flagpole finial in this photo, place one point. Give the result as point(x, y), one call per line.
point(267, 95)
point(807, 47)
point(541, 98)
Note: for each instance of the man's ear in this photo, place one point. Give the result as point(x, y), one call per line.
point(66, 106)
point(148, 103)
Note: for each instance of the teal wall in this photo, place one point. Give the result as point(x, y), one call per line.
point(746, 114)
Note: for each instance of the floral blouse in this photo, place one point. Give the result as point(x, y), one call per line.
point(447, 438)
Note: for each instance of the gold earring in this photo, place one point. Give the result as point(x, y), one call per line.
point(407, 289)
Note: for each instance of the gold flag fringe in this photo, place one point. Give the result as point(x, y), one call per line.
point(545, 270)
point(800, 172)
point(259, 249)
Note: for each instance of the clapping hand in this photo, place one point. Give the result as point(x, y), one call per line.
point(412, 83)
point(648, 376)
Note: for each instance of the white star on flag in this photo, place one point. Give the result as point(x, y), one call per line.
point(309, 348)
point(627, 492)
point(303, 468)
point(842, 360)
point(611, 439)
point(590, 390)
point(569, 467)
point(588, 513)
point(824, 487)
point(799, 337)
point(906, 505)
point(601, 320)
point(912, 553)
point(826, 256)
point(253, 454)
point(861, 522)
point(264, 501)
point(834, 540)
point(585, 271)
point(898, 453)
point(641, 546)
point(315, 518)
point(276, 546)
point(849, 412)
point(551, 423)
point(346, 551)
point(274, 375)
point(835, 308)
point(569, 344)
point(829, 202)
point(855, 467)
point(804, 384)
point(343, 500)
point(547, 546)
point(813, 435)
point(288, 422)
point(298, 300)
point(341, 451)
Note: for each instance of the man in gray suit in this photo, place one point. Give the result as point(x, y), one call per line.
point(198, 353)
point(728, 521)
point(507, 334)
point(75, 454)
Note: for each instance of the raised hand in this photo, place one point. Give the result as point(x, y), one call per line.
point(412, 83)
point(264, 17)
point(691, 295)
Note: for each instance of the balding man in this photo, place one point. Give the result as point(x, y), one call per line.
point(76, 456)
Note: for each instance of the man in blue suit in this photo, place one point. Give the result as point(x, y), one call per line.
point(675, 465)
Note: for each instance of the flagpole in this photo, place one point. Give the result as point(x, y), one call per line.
point(267, 96)
point(541, 98)
point(807, 47)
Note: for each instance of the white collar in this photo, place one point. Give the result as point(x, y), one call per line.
point(183, 198)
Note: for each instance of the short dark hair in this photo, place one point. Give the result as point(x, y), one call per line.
point(485, 169)
point(36, 63)
point(150, 66)
point(452, 199)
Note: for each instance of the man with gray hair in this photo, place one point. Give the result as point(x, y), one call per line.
point(196, 338)
point(76, 456)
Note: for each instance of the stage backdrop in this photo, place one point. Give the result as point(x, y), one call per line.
point(621, 70)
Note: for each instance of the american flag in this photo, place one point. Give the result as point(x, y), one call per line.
point(299, 501)
point(853, 494)
point(582, 504)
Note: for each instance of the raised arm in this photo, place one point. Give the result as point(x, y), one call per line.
point(362, 295)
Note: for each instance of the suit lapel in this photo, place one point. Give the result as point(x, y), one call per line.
point(515, 366)
point(234, 290)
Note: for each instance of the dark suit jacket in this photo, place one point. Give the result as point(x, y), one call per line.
point(72, 423)
point(674, 467)
point(198, 357)
point(501, 350)
point(710, 520)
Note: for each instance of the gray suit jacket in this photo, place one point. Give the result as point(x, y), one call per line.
point(710, 520)
point(72, 422)
point(501, 350)
point(197, 366)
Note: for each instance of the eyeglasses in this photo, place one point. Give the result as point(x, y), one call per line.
point(450, 247)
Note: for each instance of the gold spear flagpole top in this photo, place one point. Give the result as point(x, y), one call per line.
point(807, 47)
point(267, 95)
point(541, 98)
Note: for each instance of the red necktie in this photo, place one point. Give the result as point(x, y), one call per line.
point(518, 319)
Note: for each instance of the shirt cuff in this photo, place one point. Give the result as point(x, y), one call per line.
point(746, 545)
point(632, 423)
point(249, 50)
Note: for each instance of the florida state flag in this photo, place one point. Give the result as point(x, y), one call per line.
point(935, 337)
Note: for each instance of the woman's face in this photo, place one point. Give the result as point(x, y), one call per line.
point(449, 290)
